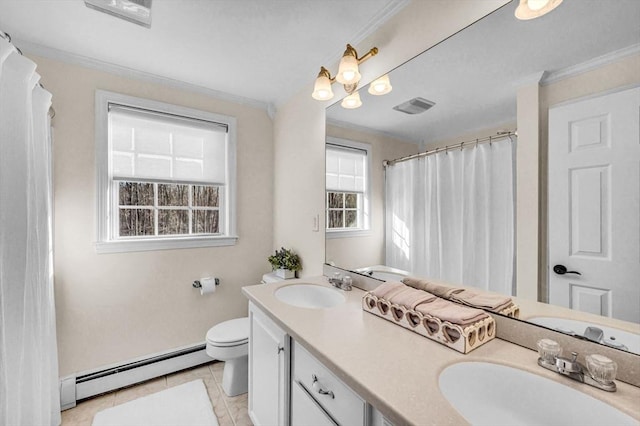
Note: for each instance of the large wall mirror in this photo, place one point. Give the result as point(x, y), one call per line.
point(569, 83)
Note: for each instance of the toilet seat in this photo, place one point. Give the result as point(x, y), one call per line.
point(234, 332)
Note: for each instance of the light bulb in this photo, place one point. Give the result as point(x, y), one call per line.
point(537, 4)
point(352, 101)
point(380, 86)
point(348, 75)
point(530, 9)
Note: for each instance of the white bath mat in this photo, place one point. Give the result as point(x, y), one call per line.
point(186, 405)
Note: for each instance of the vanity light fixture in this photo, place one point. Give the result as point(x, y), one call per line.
point(349, 76)
point(136, 11)
point(531, 9)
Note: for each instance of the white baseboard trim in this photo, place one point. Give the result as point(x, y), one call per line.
point(85, 385)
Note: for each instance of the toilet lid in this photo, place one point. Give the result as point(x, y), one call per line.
point(232, 331)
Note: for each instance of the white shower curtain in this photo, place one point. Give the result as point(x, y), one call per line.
point(29, 387)
point(450, 216)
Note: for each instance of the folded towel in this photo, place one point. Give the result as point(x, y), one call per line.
point(440, 290)
point(491, 302)
point(411, 297)
point(388, 289)
point(474, 298)
point(452, 312)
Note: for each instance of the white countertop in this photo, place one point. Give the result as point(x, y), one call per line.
point(395, 369)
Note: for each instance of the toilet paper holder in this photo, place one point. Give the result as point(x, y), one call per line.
point(196, 283)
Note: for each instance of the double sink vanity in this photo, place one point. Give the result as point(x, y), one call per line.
point(315, 357)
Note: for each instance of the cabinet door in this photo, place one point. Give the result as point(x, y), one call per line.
point(268, 370)
point(305, 411)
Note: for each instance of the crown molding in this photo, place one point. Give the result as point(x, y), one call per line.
point(86, 62)
point(589, 65)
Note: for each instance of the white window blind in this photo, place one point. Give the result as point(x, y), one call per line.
point(346, 169)
point(165, 176)
point(164, 147)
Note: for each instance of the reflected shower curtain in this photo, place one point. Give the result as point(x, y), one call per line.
point(29, 387)
point(450, 216)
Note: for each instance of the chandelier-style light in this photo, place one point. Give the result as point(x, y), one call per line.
point(349, 76)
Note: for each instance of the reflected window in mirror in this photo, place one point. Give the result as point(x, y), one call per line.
point(348, 199)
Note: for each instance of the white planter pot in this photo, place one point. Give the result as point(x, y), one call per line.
point(285, 273)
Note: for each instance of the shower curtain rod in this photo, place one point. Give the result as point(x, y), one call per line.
point(7, 37)
point(461, 145)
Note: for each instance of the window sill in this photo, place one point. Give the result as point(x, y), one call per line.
point(347, 234)
point(124, 246)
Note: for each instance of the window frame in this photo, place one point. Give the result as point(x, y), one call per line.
point(106, 196)
point(366, 194)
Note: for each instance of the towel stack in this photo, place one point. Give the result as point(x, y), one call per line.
point(461, 327)
point(471, 297)
point(427, 303)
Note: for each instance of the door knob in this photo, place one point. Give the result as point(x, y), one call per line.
point(561, 270)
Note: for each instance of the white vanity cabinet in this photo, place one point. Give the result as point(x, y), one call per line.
point(269, 361)
point(289, 386)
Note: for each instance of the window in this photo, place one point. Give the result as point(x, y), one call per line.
point(165, 175)
point(347, 188)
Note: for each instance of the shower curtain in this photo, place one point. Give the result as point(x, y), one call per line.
point(450, 216)
point(29, 387)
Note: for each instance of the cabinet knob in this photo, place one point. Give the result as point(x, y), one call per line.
point(280, 349)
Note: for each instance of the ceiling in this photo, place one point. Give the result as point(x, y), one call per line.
point(261, 50)
point(474, 75)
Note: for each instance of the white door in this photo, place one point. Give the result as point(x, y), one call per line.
point(594, 213)
point(268, 370)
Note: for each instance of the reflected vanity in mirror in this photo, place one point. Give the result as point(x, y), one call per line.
point(568, 83)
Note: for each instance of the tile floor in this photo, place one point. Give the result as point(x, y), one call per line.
point(230, 411)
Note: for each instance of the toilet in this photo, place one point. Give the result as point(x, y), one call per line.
point(229, 342)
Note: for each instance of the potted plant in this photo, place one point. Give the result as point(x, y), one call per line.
point(286, 263)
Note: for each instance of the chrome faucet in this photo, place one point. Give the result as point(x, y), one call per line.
point(600, 372)
point(343, 283)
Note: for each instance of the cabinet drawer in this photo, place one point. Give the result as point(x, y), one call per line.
point(305, 411)
point(342, 404)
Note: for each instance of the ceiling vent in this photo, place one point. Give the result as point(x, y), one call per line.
point(414, 106)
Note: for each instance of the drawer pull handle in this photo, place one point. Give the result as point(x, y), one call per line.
point(317, 387)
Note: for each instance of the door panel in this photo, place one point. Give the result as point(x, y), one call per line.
point(589, 207)
point(594, 204)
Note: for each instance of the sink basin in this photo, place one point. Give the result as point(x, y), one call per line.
point(492, 394)
point(612, 336)
point(310, 296)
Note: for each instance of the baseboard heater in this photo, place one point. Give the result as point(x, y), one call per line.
point(85, 385)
